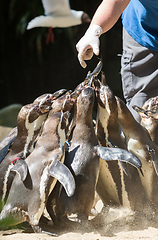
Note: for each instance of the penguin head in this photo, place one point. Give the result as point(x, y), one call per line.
point(151, 108)
point(100, 92)
point(37, 111)
point(85, 101)
point(151, 104)
point(147, 115)
point(48, 98)
point(64, 119)
point(153, 114)
point(44, 99)
point(31, 112)
point(65, 102)
point(29, 122)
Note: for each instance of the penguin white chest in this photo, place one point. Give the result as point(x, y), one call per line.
point(136, 147)
point(147, 168)
point(103, 116)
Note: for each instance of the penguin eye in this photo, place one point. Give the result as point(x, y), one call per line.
point(37, 109)
point(101, 92)
point(48, 97)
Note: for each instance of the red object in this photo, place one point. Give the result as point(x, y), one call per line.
point(15, 160)
point(50, 36)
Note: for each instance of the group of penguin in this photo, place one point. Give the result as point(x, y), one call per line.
point(58, 156)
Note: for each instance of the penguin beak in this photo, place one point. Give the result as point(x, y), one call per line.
point(97, 84)
point(91, 81)
point(58, 94)
point(45, 108)
point(152, 114)
point(146, 113)
point(69, 92)
point(74, 95)
point(67, 114)
point(138, 109)
point(141, 111)
point(96, 71)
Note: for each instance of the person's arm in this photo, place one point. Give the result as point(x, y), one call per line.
point(104, 19)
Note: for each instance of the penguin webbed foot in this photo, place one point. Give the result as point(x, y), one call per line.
point(37, 229)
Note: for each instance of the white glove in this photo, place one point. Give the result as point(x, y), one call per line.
point(88, 44)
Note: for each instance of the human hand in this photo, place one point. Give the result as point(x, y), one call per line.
point(89, 44)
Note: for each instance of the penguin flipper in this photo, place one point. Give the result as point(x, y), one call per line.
point(9, 138)
point(4, 150)
point(153, 154)
point(21, 168)
point(110, 154)
point(59, 171)
point(155, 162)
point(125, 168)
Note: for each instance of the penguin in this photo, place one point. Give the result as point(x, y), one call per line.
point(48, 98)
point(141, 187)
point(109, 185)
point(44, 99)
point(149, 118)
point(82, 159)
point(26, 200)
point(29, 122)
point(87, 81)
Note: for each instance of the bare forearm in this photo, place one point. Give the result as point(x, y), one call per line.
point(108, 13)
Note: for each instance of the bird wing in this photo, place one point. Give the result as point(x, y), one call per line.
point(59, 171)
point(41, 21)
point(50, 21)
point(56, 7)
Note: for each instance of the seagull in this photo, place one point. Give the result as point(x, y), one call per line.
point(57, 13)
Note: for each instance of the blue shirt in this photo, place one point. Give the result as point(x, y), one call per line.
point(140, 19)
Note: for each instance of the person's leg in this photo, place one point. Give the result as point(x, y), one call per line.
point(139, 70)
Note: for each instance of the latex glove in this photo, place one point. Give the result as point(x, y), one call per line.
point(89, 44)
